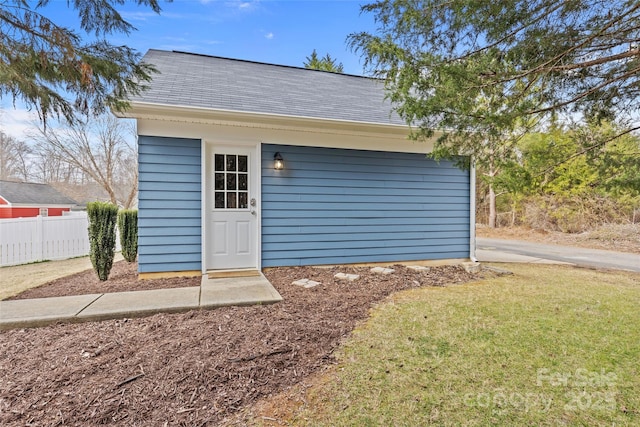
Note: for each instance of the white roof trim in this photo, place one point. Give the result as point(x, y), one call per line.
point(210, 115)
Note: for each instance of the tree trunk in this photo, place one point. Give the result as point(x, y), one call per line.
point(492, 207)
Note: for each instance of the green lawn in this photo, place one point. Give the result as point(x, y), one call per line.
point(548, 345)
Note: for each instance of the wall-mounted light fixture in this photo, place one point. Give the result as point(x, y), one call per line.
point(278, 161)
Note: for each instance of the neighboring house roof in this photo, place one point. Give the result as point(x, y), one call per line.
point(29, 193)
point(210, 82)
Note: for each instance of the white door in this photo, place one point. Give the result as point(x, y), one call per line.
point(232, 228)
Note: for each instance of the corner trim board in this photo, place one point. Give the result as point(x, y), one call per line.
point(472, 211)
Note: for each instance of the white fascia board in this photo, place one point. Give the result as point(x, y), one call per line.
point(207, 124)
point(185, 113)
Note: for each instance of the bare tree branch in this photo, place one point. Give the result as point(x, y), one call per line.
point(100, 149)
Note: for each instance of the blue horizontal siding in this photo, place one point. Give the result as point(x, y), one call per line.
point(169, 195)
point(351, 199)
point(320, 214)
point(161, 175)
point(180, 160)
point(364, 246)
point(443, 218)
point(380, 206)
point(169, 186)
point(373, 176)
point(169, 207)
point(187, 227)
point(340, 190)
point(186, 206)
point(389, 251)
point(350, 257)
point(386, 237)
point(161, 214)
point(356, 183)
point(333, 206)
point(172, 240)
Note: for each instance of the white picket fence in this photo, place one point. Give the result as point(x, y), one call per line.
point(25, 240)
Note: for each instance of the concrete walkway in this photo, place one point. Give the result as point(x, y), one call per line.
point(492, 255)
point(211, 293)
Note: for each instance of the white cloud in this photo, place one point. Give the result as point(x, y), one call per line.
point(145, 16)
point(186, 47)
point(269, 36)
point(243, 5)
point(17, 121)
point(138, 16)
point(175, 39)
point(186, 44)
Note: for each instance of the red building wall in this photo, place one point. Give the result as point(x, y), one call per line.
point(8, 212)
point(57, 211)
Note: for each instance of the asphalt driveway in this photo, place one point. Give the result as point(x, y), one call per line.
point(492, 249)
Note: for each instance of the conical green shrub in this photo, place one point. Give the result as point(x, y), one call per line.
point(102, 236)
point(128, 228)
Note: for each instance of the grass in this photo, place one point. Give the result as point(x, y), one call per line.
point(18, 278)
point(547, 346)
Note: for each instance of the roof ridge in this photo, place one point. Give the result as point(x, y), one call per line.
point(249, 61)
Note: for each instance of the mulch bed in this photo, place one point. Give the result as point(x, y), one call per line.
point(123, 277)
point(195, 368)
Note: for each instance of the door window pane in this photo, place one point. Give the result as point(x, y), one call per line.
point(219, 200)
point(242, 182)
point(231, 162)
point(231, 200)
point(219, 162)
point(219, 185)
point(242, 164)
point(242, 200)
point(231, 181)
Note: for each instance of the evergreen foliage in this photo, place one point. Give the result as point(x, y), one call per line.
point(128, 228)
point(55, 70)
point(481, 70)
point(102, 236)
point(327, 63)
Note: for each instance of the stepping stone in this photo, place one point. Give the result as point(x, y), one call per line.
point(418, 268)
point(349, 277)
point(306, 283)
point(382, 270)
point(471, 267)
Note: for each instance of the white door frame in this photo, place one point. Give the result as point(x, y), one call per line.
point(207, 148)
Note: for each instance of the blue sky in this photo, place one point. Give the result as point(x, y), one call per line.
point(279, 32)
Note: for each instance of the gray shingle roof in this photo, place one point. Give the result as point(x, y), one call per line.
point(29, 193)
point(210, 82)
